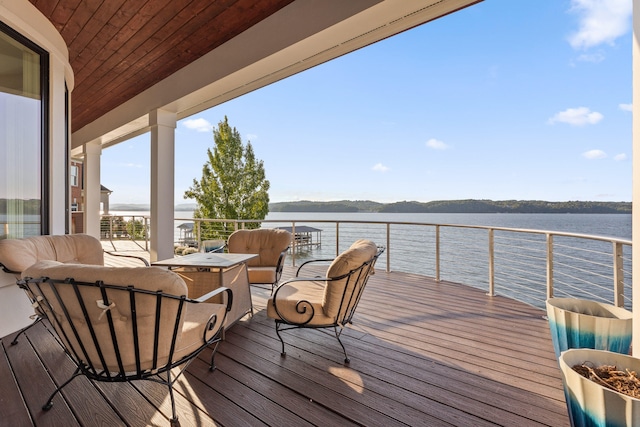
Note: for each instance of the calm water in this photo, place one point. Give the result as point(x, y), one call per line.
point(520, 264)
point(608, 225)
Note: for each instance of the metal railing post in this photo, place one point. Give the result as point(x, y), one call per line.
point(492, 285)
point(549, 265)
point(388, 247)
point(437, 253)
point(618, 275)
point(198, 225)
point(293, 244)
point(146, 234)
point(337, 238)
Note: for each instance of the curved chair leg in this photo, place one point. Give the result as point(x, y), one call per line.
point(49, 403)
point(174, 418)
point(344, 350)
point(282, 353)
point(212, 365)
point(23, 330)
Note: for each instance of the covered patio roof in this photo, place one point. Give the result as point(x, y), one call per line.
point(132, 58)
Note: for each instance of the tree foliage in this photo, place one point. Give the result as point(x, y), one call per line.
point(233, 183)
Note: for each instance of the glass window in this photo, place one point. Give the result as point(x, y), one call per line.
point(74, 176)
point(22, 136)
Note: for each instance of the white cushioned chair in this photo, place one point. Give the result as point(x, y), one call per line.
point(125, 323)
point(325, 302)
point(270, 244)
point(16, 255)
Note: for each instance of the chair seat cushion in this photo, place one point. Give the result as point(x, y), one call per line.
point(195, 324)
point(297, 296)
point(262, 274)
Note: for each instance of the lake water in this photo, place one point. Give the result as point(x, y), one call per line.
point(582, 268)
point(608, 225)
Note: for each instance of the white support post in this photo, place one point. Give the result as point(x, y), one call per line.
point(59, 211)
point(162, 124)
point(91, 176)
point(635, 221)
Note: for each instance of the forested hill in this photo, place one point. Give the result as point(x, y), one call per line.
point(455, 206)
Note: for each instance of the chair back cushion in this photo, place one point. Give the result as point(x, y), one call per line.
point(119, 300)
point(268, 243)
point(360, 252)
point(18, 254)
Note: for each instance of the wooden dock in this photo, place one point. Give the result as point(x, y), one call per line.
point(422, 354)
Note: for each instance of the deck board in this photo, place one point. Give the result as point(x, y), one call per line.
point(422, 354)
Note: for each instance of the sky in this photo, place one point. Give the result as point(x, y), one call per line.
point(525, 100)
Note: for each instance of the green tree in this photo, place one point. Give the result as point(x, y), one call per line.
point(233, 184)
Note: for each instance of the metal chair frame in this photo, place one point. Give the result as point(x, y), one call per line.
point(37, 317)
point(348, 303)
point(160, 373)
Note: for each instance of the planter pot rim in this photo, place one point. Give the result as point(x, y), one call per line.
point(590, 308)
point(578, 356)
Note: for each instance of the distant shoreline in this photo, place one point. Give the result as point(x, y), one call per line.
point(442, 206)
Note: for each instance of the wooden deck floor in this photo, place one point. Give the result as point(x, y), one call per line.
point(422, 354)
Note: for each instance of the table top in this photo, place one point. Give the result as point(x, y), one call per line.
point(212, 260)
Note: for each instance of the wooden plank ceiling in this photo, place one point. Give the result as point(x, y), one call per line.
point(119, 48)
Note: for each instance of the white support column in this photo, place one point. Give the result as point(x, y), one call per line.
point(635, 217)
point(91, 176)
point(58, 154)
point(163, 124)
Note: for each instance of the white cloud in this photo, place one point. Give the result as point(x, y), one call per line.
point(379, 167)
point(625, 107)
point(594, 154)
point(600, 21)
point(436, 145)
point(577, 117)
point(620, 157)
point(252, 136)
point(199, 125)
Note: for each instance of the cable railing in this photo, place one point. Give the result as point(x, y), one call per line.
point(523, 264)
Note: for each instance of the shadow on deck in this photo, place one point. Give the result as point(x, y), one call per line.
point(422, 354)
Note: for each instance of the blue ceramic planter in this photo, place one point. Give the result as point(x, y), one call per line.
point(577, 323)
point(590, 404)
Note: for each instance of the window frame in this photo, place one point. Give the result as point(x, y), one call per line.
point(44, 122)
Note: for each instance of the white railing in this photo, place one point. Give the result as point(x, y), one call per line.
point(527, 265)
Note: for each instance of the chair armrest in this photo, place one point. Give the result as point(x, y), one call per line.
point(304, 308)
point(213, 293)
point(144, 261)
point(306, 279)
point(311, 261)
point(6, 270)
point(279, 264)
point(298, 279)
